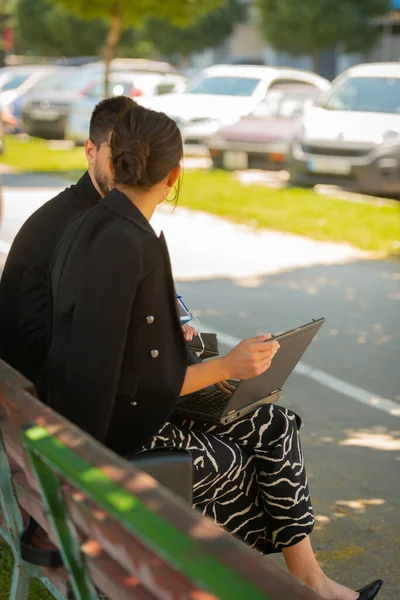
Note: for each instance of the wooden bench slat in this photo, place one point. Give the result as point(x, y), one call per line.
point(19, 407)
point(100, 567)
point(127, 551)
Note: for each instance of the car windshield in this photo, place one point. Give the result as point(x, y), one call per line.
point(14, 81)
point(367, 94)
point(223, 86)
point(280, 104)
point(68, 81)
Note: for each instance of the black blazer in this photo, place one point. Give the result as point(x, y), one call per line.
point(23, 286)
point(117, 358)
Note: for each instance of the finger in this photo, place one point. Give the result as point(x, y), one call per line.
point(264, 347)
point(270, 349)
point(222, 389)
point(258, 339)
point(186, 333)
point(228, 386)
point(264, 365)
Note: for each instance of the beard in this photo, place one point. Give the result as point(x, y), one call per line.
point(101, 179)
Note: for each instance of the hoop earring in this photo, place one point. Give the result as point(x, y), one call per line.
point(168, 191)
point(111, 185)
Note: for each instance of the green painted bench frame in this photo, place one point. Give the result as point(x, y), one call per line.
point(114, 525)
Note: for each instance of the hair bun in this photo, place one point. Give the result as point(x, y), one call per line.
point(131, 163)
point(145, 146)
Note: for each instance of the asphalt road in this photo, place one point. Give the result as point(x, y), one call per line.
point(352, 448)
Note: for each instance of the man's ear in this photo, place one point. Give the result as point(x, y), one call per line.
point(90, 151)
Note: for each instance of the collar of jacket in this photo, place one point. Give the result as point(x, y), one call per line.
point(87, 192)
point(119, 203)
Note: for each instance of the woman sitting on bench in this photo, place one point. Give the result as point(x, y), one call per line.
point(118, 364)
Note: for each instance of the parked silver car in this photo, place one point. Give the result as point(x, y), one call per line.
point(47, 106)
point(352, 137)
point(261, 140)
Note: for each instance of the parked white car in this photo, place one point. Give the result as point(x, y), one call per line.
point(221, 95)
point(133, 83)
point(352, 136)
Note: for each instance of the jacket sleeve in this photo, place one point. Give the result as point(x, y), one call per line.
point(109, 278)
point(32, 314)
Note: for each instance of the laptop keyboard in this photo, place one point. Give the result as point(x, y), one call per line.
point(212, 402)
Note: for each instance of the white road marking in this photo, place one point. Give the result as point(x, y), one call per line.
point(334, 383)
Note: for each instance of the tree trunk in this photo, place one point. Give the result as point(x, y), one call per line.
point(3, 7)
point(112, 40)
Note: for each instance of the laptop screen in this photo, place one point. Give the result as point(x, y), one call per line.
point(293, 344)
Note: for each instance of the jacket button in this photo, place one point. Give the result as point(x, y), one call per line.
point(150, 320)
point(133, 403)
point(154, 353)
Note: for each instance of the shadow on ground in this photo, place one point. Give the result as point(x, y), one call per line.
point(352, 450)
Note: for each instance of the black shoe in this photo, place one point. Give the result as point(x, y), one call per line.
point(36, 556)
point(369, 592)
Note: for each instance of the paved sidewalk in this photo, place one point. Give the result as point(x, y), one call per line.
point(205, 246)
point(201, 245)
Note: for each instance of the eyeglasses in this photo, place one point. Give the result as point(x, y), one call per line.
point(103, 144)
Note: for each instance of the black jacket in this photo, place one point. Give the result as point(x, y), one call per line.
point(23, 286)
point(117, 359)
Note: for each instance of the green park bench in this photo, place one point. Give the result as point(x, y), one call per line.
point(118, 530)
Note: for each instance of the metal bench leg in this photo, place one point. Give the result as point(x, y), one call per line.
point(13, 528)
point(57, 514)
point(20, 582)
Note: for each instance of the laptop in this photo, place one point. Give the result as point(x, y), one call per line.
point(213, 406)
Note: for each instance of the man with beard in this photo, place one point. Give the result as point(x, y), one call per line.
point(24, 306)
point(23, 286)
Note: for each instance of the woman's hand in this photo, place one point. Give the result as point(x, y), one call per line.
point(251, 357)
point(248, 359)
point(189, 332)
point(225, 387)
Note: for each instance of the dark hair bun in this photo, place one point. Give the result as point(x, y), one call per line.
point(130, 163)
point(145, 146)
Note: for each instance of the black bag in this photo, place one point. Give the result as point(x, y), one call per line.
point(210, 345)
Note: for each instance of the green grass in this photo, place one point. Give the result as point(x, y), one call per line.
point(36, 591)
point(370, 227)
point(36, 155)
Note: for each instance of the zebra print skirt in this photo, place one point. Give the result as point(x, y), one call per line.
point(249, 476)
